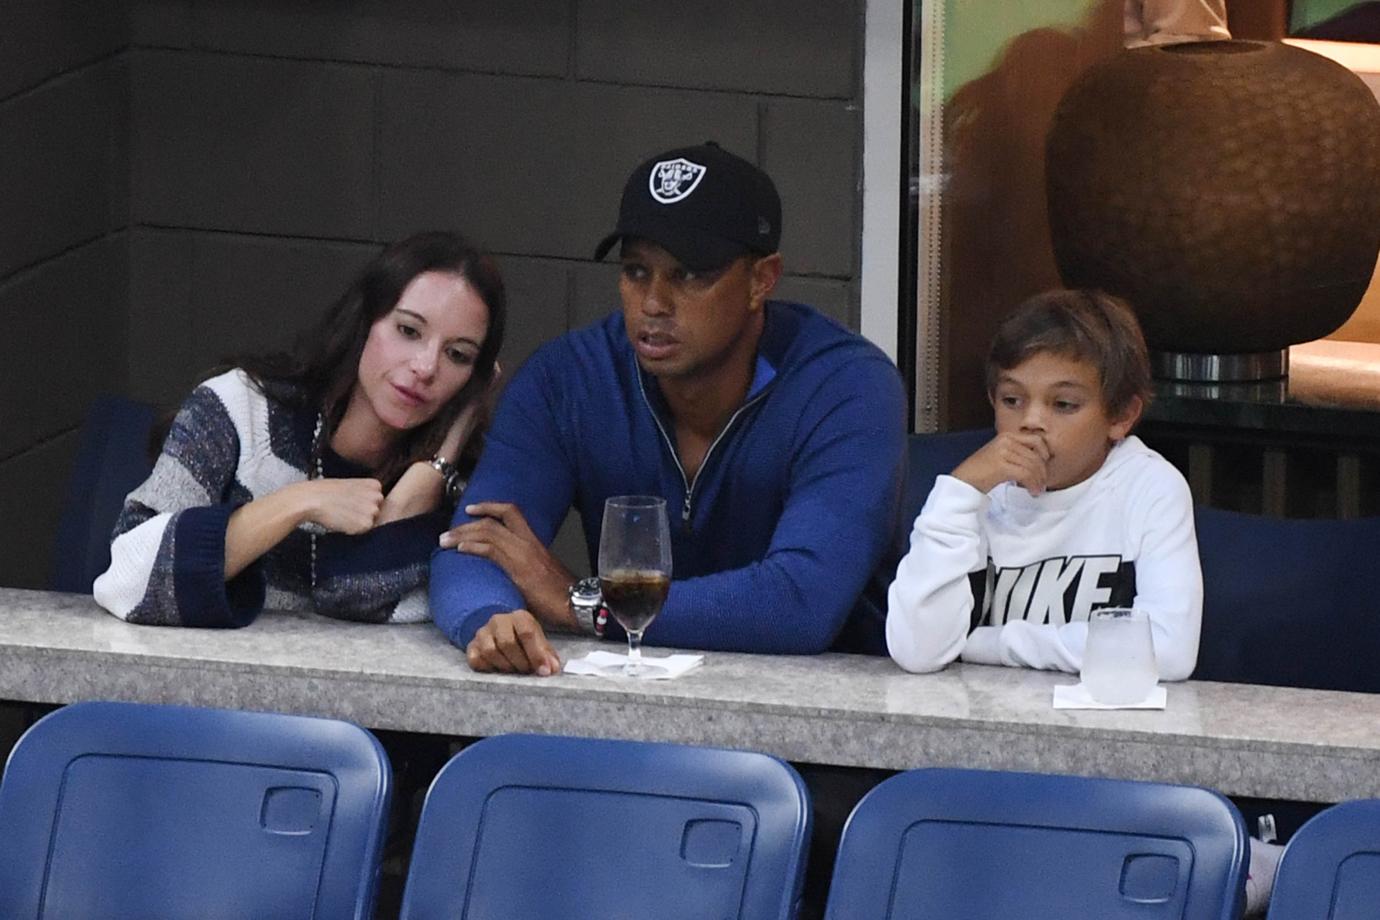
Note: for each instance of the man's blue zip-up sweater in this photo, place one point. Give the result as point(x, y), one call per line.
point(774, 540)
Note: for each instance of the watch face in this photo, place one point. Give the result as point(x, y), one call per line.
point(586, 592)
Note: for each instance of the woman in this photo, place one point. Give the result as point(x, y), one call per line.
point(318, 480)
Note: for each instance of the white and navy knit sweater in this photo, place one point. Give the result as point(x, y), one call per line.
point(229, 445)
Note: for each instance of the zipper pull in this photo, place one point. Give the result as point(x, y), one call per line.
point(685, 509)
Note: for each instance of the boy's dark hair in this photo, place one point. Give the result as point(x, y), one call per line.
point(1085, 325)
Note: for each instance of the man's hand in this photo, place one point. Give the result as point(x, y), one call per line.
point(514, 644)
point(1009, 457)
point(500, 534)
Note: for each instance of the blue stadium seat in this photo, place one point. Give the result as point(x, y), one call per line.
point(123, 811)
point(1331, 868)
point(928, 456)
point(1289, 602)
point(112, 459)
point(977, 845)
point(525, 827)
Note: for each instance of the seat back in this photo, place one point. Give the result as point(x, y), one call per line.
point(525, 827)
point(112, 459)
point(1289, 602)
point(929, 456)
point(1331, 868)
point(125, 811)
point(978, 845)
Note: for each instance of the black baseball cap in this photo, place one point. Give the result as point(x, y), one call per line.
point(703, 205)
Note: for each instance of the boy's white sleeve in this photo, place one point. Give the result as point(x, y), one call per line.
point(1169, 574)
point(930, 604)
point(1169, 587)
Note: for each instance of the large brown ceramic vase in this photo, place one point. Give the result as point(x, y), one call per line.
point(1229, 190)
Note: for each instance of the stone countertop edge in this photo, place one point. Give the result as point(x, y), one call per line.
point(729, 709)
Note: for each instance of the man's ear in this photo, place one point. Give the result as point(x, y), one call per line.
point(1122, 425)
point(766, 271)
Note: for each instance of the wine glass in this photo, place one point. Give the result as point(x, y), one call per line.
point(1119, 657)
point(635, 570)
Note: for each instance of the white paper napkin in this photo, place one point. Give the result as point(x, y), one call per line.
point(668, 667)
point(1075, 696)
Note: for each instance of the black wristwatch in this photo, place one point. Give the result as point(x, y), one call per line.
point(587, 603)
point(454, 484)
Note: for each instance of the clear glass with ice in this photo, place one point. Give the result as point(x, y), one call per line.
point(1119, 659)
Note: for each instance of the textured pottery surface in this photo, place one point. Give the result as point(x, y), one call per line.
point(1229, 190)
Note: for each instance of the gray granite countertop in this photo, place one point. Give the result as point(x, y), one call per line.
point(834, 709)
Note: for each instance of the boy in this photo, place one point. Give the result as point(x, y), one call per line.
point(1064, 511)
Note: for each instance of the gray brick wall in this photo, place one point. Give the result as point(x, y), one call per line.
point(365, 120)
point(187, 179)
point(63, 211)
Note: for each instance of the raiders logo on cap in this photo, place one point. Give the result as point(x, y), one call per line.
point(673, 180)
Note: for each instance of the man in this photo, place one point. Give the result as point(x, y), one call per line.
point(776, 437)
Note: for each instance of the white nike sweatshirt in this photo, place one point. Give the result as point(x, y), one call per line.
point(1039, 564)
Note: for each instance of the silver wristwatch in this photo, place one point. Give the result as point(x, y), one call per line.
point(454, 484)
point(587, 603)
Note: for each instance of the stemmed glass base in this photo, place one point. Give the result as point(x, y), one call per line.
point(644, 670)
point(636, 666)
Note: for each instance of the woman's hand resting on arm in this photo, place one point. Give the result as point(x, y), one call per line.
point(341, 505)
point(351, 506)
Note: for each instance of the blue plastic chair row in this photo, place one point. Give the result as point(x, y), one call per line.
point(121, 811)
point(117, 810)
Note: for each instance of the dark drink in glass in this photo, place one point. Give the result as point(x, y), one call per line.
point(635, 570)
point(634, 596)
